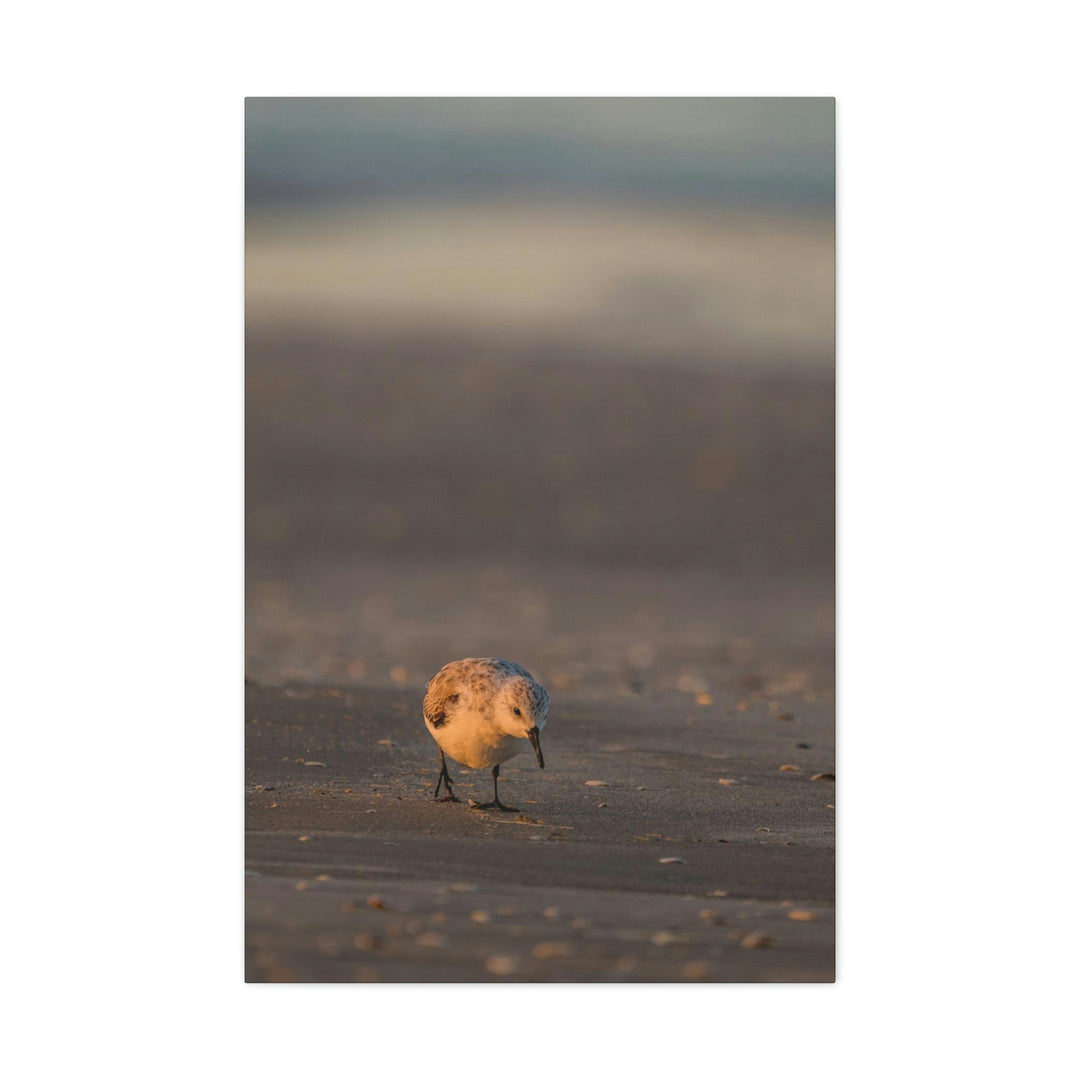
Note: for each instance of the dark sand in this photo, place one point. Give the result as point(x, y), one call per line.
point(655, 544)
point(566, 890)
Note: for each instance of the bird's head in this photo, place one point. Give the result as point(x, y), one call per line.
point(522, 711)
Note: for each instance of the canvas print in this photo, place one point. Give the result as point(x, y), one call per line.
point(540, 460)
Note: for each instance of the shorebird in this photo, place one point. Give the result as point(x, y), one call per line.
point(481, 712)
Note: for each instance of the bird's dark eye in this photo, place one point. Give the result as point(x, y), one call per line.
point(517, 712)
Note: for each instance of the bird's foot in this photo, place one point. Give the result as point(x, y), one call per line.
point(496, 805)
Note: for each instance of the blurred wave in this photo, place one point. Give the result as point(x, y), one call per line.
point(760, 151)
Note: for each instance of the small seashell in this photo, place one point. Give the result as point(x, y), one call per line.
point(547, 949)
point(726, 783)
point(323, 877)
point(303, 838)
point(301, 886)
point(597, 783)
point(718, 892)
point(316, 764)
point(364, 941)
point(823, 776)
point(480, 917)
point(704, 699)
point(672, 859)
point(664, 937)
point(798, 915)
point(756, 940)
point(551, 913)
point(790, 768)
point(696, 970)
point(707, 915)
point(763, 828)
point(376, 903)
point(431, 940)
point(385, 742)
point(501, 965)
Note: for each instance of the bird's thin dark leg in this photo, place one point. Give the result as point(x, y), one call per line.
point(495, 804)
point(444, 775)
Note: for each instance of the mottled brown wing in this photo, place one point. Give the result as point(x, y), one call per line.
point(436, 700)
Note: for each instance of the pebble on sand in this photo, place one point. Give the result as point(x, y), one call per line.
point(545, 950)
point(798, 915)
point(823, 776)
point(790, 768)
point(597, 783)
point(431, 940)
point(501, 965)
point(755, 940)
point(673, 859)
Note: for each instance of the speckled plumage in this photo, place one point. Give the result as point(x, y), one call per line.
point(482, 711)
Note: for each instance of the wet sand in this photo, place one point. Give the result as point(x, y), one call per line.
point(354, 873)
point(653, 539)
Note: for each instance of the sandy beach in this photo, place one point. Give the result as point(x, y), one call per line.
point(355, 873)
point(646, 524)
point(697, 746)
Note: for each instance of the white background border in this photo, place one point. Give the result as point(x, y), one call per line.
point(122, 448)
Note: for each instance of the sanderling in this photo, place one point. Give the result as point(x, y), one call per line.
point(482, 712)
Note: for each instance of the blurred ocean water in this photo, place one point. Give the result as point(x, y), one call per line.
point(555, 339)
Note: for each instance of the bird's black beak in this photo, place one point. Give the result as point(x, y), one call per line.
point(534, 738)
